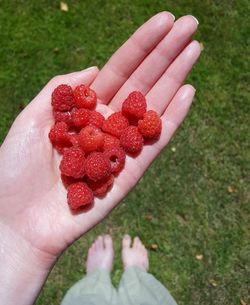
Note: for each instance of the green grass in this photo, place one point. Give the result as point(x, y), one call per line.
point(185, 192)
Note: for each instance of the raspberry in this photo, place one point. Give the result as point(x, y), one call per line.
point(66, 180)
point(72, 163)
point(59, 136)
point(110, 142)
point(117, 158)
point(134, 106)
point(84, 97)
point(115, 124)
point(101, 187)
point(91, 138)
point(150, 125)
point(131, 140)
point(59, 148)
point(63, 117)
point(97, 166)
point(74, 139)
point(62, 98)
point(96, 119)
point(80, 117)
point(79, 195)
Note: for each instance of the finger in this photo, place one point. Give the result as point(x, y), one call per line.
point(166, 87)
point(127, 58)
point(156, 63)
point(171, 120)
point(41, 103)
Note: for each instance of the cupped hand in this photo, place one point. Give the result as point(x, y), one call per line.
point(154, 60)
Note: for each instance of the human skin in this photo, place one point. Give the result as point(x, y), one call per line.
point(36, 224)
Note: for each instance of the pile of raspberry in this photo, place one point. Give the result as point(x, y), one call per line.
point(94, 148)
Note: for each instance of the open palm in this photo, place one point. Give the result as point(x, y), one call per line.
point(155, 60)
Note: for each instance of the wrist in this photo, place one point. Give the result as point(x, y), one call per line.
point(23, 269)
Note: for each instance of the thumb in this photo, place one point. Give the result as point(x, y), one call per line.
point(39, 109)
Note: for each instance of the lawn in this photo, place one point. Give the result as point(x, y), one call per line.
point(194, 200)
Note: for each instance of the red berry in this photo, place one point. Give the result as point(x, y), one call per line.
point(63, 117)
point(131, 140)
point(79, 195)
point(91, 138)
point(59, 148)
point(134, 106)
point(74, 139)
point(101, 187)
point(80, 117)
point(96, 119)
point(59, 136)
point(110, 142)
point(62, 98)
point(72, 163)
point(115, 124)
point(85, 97)
point(66, 180)
point(97, 166)
point(117, 158)
point(150, 125)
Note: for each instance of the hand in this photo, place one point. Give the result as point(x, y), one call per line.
point(155, 60)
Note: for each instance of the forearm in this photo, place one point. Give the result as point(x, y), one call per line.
point(23, 269)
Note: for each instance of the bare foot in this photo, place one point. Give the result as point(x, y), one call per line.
point(136, 255)
point(100, 254)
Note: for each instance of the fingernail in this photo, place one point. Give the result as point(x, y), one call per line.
point(90, 68)
point(195, 19)
point(172, 15)
point(188, 93)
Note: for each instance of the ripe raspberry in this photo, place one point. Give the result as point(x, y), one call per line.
point(80, 117)
point(96, 119)
point(91, 138)
point(115, 124)
point(101, 187)
point(150, 125)
point(85, 97)
point(110, 142)
point(74, 139)
point(117, 158)
point(66, 180)
point(62, 98)
point(79, 195)
point(59, 136)
point(63, 117)
point(131, 140)
point(59, 149)
point(72, 163)
point(97, 166)
point(134, 106)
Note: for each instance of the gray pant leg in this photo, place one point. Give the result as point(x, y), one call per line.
point(93, 289)
point(141, 288)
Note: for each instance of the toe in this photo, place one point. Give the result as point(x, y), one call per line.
point(108, 243)
point(99, 243)
point(137, 242)
point(90, 251)
point(126, 242)
point(93, 246)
